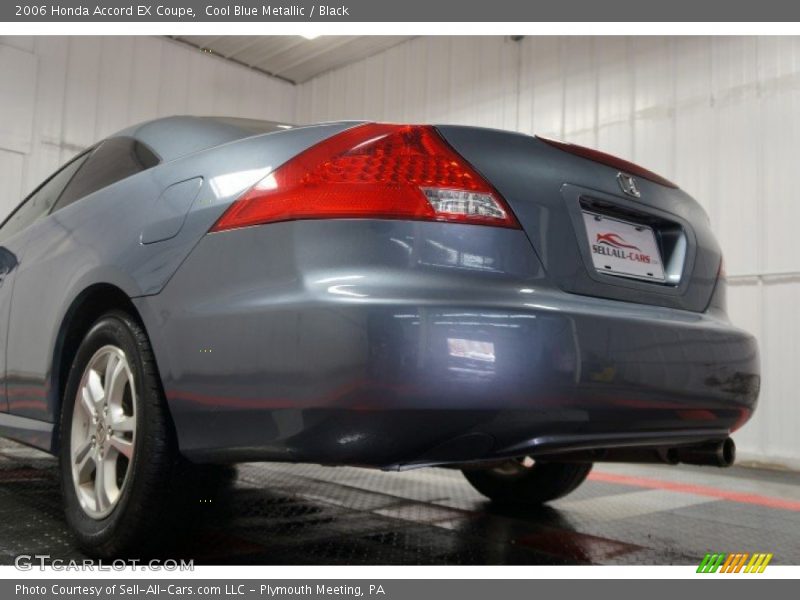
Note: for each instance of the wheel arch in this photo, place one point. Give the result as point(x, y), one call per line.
point(91, 303)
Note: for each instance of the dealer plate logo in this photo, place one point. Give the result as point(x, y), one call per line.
point(622, 248)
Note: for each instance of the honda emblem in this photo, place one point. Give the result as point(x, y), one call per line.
point(628, 185)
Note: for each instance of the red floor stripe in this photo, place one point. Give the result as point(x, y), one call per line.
point(699, 490)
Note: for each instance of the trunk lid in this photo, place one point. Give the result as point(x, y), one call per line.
point(588, 231)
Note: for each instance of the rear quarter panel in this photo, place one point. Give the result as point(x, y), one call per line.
point(98, 240)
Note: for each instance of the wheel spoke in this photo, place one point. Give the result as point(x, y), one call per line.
point(82, 457)
point(95, 387)
point(122, 446)
point(122, 423)
point(100, 486)
point(87, 403)
point(115, 379)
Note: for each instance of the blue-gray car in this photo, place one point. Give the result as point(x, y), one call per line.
point(210, 291)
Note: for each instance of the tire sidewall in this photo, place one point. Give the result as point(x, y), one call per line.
point(111, 329)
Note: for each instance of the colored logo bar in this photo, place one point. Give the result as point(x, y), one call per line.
point(737, 562)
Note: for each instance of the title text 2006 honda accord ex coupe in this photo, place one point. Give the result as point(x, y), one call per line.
point(209, 290)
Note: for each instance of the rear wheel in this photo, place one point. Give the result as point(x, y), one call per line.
point(117, 450)
point(524, 481)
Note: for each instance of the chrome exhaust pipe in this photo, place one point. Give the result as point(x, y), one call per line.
point(718, 454)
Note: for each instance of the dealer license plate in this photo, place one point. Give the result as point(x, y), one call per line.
point(623, 248)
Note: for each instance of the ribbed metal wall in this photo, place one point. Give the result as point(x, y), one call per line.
point(59, 95)
point(721, 116)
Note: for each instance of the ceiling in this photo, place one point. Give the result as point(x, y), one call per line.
point(292, 57)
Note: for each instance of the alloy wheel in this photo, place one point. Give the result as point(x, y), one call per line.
point(103, 431)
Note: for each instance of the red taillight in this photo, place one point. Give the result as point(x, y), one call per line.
point(610, 160)
point(373, 171)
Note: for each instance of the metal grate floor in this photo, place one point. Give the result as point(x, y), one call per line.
point(307, 514)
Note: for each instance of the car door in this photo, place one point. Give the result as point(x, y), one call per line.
point(14, 236)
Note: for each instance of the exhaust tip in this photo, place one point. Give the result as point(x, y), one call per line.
point(671, 456)
point(727, 452)
point(719, 454)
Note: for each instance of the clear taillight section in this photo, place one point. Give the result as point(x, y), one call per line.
point(377, 171)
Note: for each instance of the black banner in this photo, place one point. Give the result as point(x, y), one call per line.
point(730, 588)
point(402, 10)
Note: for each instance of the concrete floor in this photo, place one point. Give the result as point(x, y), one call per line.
point(307, 514)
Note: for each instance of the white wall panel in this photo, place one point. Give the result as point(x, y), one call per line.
point(580, 93)
point(541, 79)
point(11, 168)
point(62, 94)
point(718, 115)
point(20, 42)
point(145, 79)
point(736, 188)
point(374, 95)
point(653, 104)
point(17, 90)
point(769, 309)
point(695, 152)
point(45, 154)
point(615, 81)
point(453, 80)
point(114, 84)
point(777, 176)
point(80, 94)
point(734, 64)
point(174, 83)
point(692, 70)
point(780, 409)
point(437, 79)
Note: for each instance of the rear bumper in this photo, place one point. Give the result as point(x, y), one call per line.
point(396, 362)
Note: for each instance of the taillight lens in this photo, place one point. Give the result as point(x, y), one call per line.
point(610, 160)
point(373, 171)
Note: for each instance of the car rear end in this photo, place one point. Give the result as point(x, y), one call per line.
point(400, 295)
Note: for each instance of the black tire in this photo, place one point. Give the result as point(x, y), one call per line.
point(134, 524)
point(514, 484)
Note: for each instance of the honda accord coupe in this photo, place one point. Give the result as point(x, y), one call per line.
point(211, 291)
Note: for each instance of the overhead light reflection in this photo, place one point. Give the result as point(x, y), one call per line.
point(233, 183)
point(340, 290)
point(404, 245)
point(541, 306)
point(471, 349)
point(339, 278)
